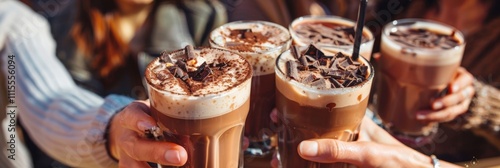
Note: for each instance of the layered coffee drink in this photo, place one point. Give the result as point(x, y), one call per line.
point(200, 99)
point(419, 59)
point(260, 43)
point(319, 95)
point(330, 33)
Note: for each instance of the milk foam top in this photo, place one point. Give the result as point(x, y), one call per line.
point(420, 55)
point(226, 88)
point(307, 95)
point(259, 42)
point(365, 48)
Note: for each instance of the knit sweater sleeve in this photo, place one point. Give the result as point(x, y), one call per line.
point(64, 120)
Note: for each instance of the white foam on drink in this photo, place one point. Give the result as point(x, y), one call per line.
point(423, 56)
point(307, 95)
point(214, 99)
point(261, 56)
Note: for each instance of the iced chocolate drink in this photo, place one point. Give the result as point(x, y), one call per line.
point(330, 33)
point(419, 58)
point(200, 98)
point(319, 95)
point(260, 43)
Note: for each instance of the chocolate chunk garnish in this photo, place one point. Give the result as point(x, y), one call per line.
point(303, 61)
point(295, 52)
point(179, 73)
point(326, 32)
point(181, 64)
point(312, 51)
point(323, 71)
point(291, 70)
point(309, 79)
point(165, 58)
point(189, 51)
point(202, 75)
point(320, 83)
point(362, 70)
point(424, 38)
point(335, 83)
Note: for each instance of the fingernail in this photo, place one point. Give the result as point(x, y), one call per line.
point(143, 125)
point(437, 105)
point(454, 88)
point(309, 148)
point(420, 116)
point(173, 157)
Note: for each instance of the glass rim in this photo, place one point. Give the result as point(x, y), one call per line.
point(279, 45)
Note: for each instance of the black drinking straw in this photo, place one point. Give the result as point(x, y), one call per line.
point(360, 23)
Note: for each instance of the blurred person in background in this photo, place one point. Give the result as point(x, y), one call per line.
point(68, 103)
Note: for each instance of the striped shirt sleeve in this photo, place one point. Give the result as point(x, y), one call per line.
point(64, 120)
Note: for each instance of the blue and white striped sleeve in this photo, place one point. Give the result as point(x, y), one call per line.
point(64, 120)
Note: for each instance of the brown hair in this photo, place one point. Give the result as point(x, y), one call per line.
point(97, 36)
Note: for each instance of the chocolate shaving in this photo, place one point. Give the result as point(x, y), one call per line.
point(335, 83)
point(303, 61)
point(336, 71)
point(291, 70)
point(309, 79)
point(424, 38)
point(312, 51)
point(362, 70)
point(179, 73)
point(181, 64)
point(295, 52)
point(201, 73)
point(189, 50)
point(165, 58)
point(320, 83)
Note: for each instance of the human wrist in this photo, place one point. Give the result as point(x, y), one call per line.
point(110, 139)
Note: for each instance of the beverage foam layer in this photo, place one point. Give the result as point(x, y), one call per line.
point(258, 42)
point(330, 32)
point(223, 90)
point(423, 54)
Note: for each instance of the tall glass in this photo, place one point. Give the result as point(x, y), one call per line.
point(208, 122)
point(260, 43)
point(411, 76)
point(308, 112)
point(339, 34)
